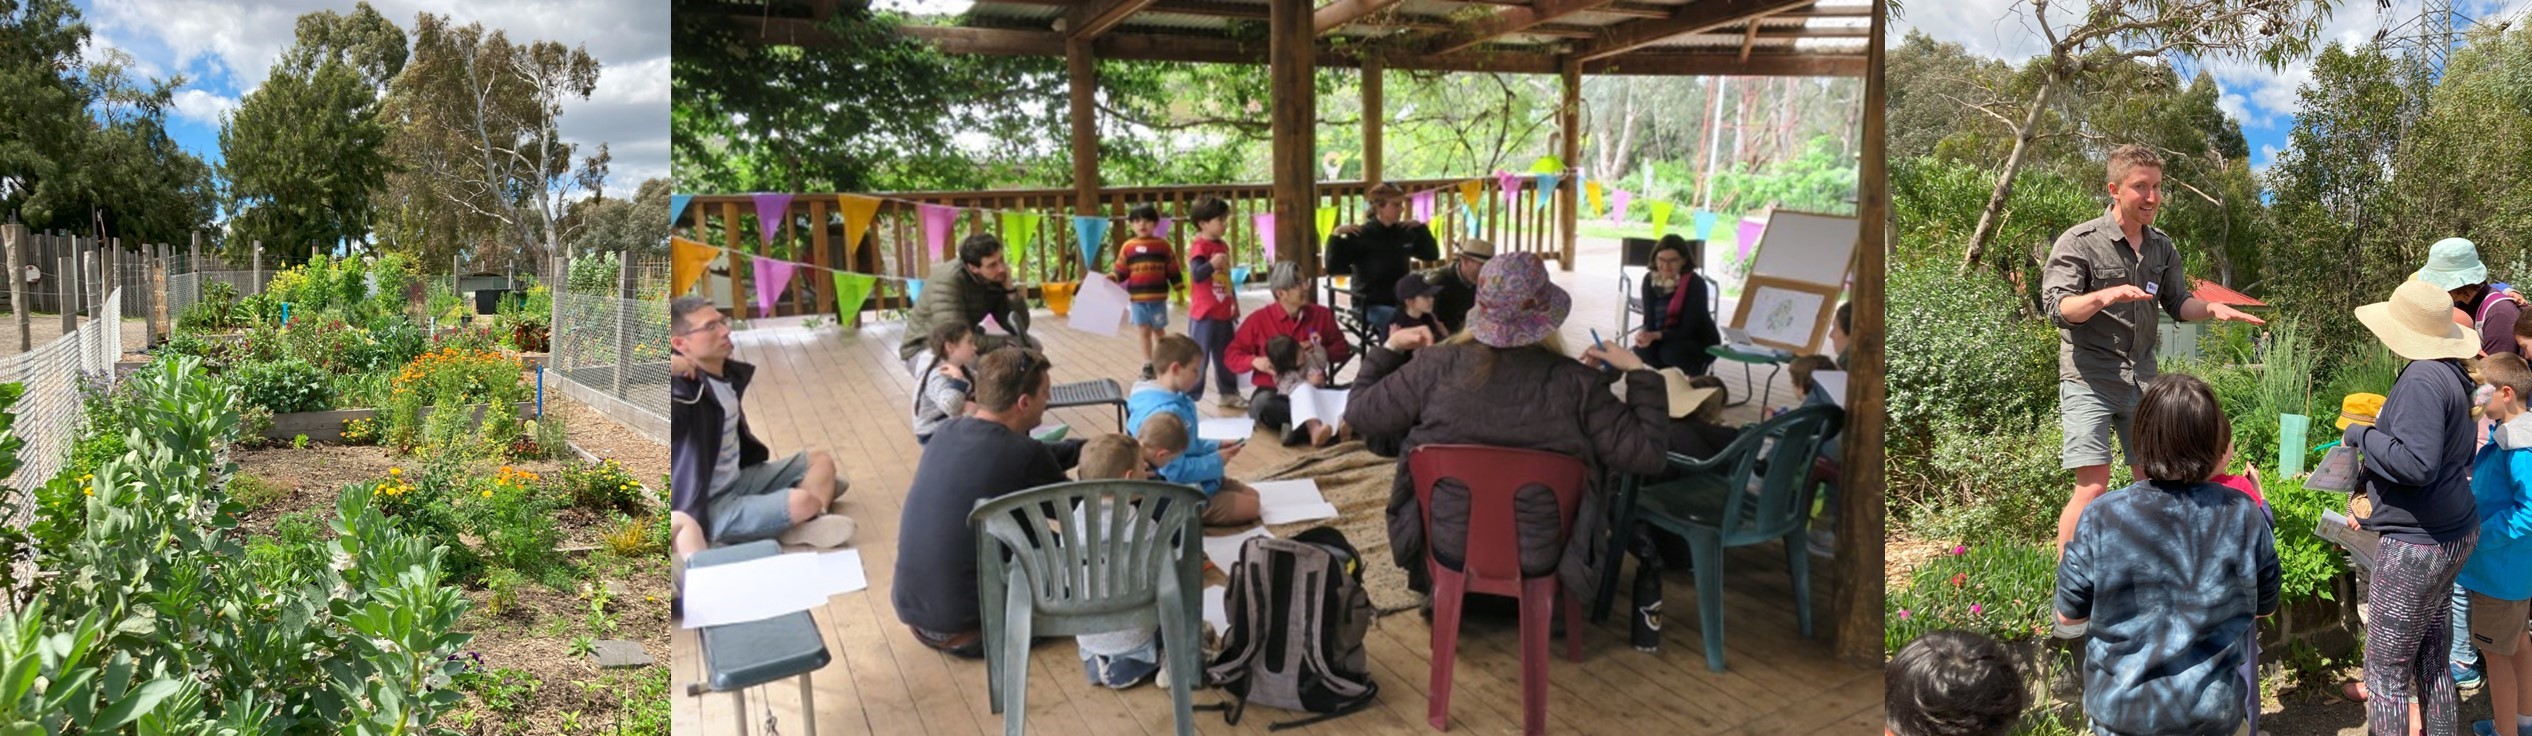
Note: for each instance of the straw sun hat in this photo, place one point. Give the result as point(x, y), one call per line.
point(2416, 323)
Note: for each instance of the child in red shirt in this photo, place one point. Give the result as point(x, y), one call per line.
point(1213, 301)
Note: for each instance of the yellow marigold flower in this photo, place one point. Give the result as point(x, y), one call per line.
point(89, 490)
point(487, 494)
point(395, 471)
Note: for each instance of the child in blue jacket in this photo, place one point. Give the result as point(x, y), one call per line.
point(1178, 365)
point(2498, 573)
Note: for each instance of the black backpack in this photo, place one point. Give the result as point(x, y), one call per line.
point(1298, 612)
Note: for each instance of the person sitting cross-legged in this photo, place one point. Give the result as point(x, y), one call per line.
point(722, 488)
point(986, 454)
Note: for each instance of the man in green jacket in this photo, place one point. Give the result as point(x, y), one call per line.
point(967, 290)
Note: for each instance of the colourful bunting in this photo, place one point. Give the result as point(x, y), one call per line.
point(1266, 232)
point(1469, 216)
point(1661, 217)
point(1017, 232)
point(1591, 191)
point(772, 276)
point(1617, 205)
point(1162, 231)
point(937, 220)
point(1093, 232)
point(1510, 184)
point(1750, 232)
point(914, 290)
point(1422, 203)
point(1547, 185)
point(851, 289)
point(1327, 222)
point(859, 212)
point(771, 208)
point(1469, 191)
point(1705, 224)
point(677, 207)
point(1239, 276)
point(686, 261)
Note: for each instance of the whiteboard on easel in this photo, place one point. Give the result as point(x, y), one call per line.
point(1804, 246)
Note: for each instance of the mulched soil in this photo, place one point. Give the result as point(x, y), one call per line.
point(534, 637)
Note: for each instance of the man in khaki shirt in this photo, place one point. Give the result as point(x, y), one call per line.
point(2102, 284)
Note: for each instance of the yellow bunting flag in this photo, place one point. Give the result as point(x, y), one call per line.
point(686, 261)
point(1591, 189)
point(1661, 217)
point(1470, 190)
point(858, 213)
point(1327, 222)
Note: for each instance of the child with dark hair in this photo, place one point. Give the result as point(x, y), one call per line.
point(2500, 596)
point(1952, 683)
point(2170, 575)
point(1295, 368)
point(1213, 304)
point(941, 381)
point(1147, 269)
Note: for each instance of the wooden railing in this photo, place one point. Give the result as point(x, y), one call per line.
point(895, 248)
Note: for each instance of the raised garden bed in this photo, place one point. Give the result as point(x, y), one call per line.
point(327, 426)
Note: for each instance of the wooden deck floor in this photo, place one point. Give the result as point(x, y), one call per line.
point(843, 391)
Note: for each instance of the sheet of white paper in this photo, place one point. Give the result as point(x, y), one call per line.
point(1287, 492)
point(1226, 429)
point(842, 571)
point(754, 590)
point(991, 326)
point(1214, 611)
point(1832, 382)
point(1099, 307)
point(1224, 551)
point(1324, 404)
point(1296, 513)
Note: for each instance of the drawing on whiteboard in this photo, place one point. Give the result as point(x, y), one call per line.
point(1784, 316)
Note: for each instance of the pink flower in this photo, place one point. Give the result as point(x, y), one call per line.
point(1975, 609)
point(1959, 550)
point(1903, 614)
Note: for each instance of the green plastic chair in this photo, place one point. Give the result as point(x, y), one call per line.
point(1134, 563)
point(1716, 505)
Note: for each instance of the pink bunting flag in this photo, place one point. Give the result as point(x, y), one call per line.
point(772, 276)
point(1510, 183)
point(1749, 234)
point(1162, 231)
point(770, 211)
point(1266, 232)
point(1423, 203)
point(937, 220)
point(1617, 205)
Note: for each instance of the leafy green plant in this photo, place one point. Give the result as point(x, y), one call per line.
point(254, 493)
point(360, 431)
point(645, 707)
point(582, 645)
point(630, 536)
point(2000, 590)
point(604, 486)
point(2309, 562)
point(505, 690)
point(503, 588)
point(514, 518)
point(284, 386)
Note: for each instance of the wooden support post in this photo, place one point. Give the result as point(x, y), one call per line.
point(17, 244)
point(69, 286)
point(193, 256)
point(1373, 118)
point(158, 290)
point(730, 244)
point(822, 288)
point(255, 278)
point(1291, 67)
point(143, 279)
point(1569, 122)
point(1858, 581)
point(1084, 84)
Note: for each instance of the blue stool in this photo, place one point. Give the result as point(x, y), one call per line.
point(741, 656)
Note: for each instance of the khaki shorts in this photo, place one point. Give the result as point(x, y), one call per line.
point(2497, 626)
point(2090, 420)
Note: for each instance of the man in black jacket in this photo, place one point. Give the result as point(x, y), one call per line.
point(1376, 253)
point(1459, 282)
point(721, 489)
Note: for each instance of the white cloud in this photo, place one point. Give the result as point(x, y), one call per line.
point(2232, 105)
point(2267, 157)
point(203, 107)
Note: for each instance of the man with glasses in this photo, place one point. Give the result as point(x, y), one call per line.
point(986, 454)
point(722, 490)
point(1376, 253)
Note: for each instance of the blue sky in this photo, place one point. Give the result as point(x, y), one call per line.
point(225, 47)
point(2263, 101)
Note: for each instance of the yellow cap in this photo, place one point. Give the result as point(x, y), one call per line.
point(2359, 409)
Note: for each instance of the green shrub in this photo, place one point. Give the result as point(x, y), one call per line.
point(502, 591)
point(1959, 358)
point(2309, 562)
point(1987, 484)
point(503, 690)
point(255, 493)
point(514, 519)
point(284, 386)
point(2001, 590)
point(601, 487)
point(449, 378)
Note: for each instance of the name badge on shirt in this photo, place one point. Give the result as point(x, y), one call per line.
point(2153, 289)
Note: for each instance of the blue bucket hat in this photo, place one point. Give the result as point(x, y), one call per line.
point(2453, 263)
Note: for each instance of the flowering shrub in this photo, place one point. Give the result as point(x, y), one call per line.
point(449, 377)
point(514, 518)
point(2001, 590)
point(361, 431)
point(601, 487)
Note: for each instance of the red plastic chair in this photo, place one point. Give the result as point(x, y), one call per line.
point(1492, 475)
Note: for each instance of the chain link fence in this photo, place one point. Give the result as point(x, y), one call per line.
point(611, 354)
point(48, 415)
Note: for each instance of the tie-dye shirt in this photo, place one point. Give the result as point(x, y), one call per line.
point(2173, 577)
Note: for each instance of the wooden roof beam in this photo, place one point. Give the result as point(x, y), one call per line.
point(1696, 17)
point(1505, 21)
point(1156, 47)
point(1090, 20)
point(1341, 12)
